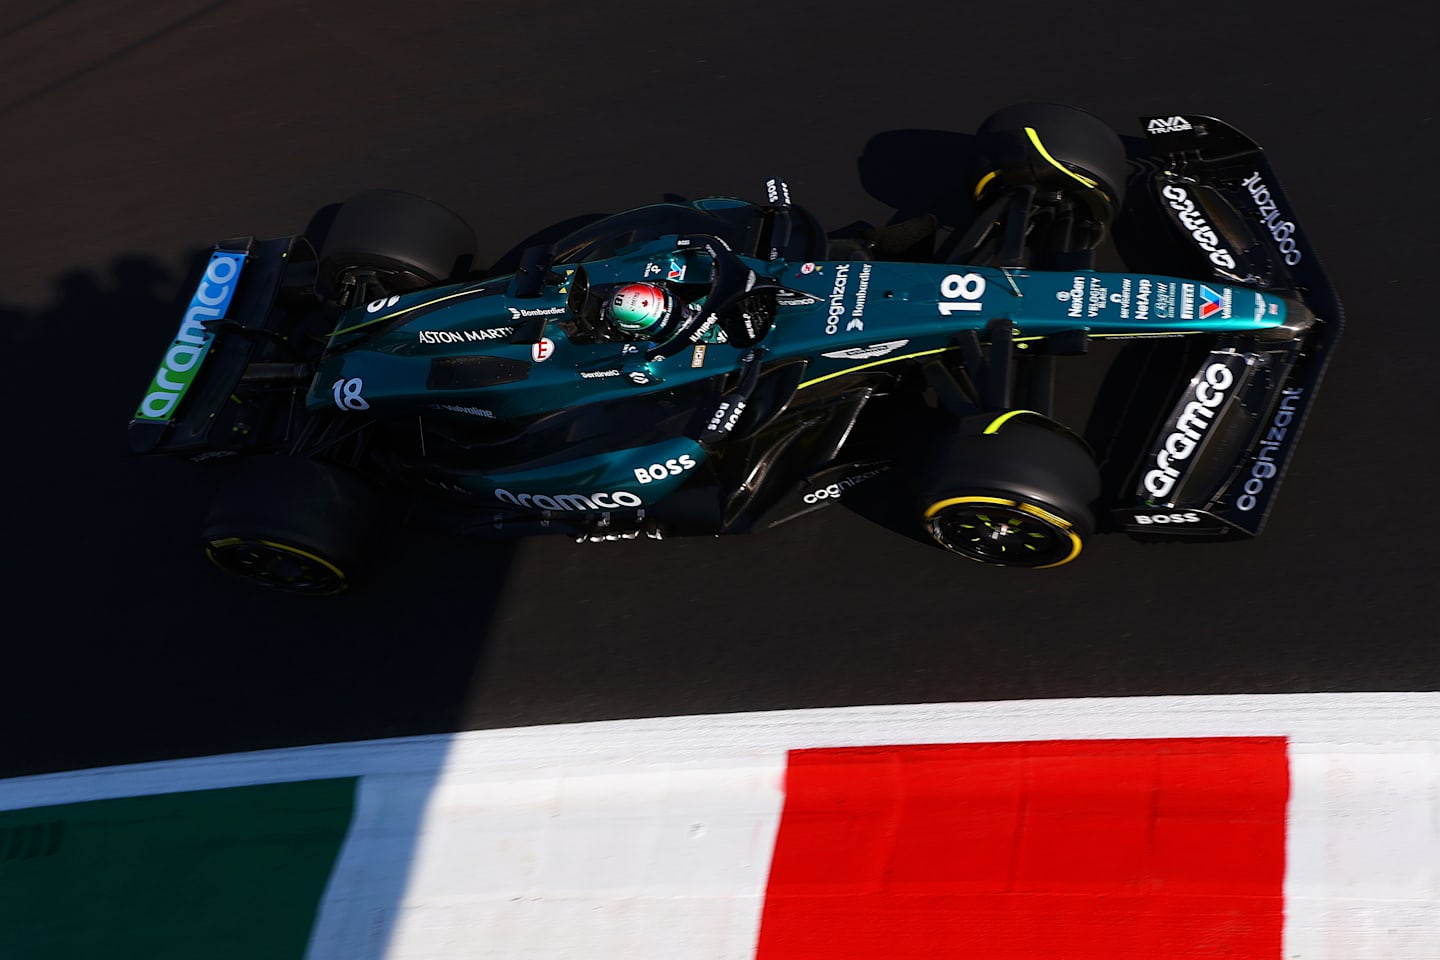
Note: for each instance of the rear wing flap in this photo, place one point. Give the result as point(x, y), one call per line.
point(240, 313)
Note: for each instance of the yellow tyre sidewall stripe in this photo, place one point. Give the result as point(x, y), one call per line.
point(283, 548)
point(1056, 521)
point(1035, 140)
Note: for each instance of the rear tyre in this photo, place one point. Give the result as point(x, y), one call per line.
point(405, 241)
point(1013, 490)
point(1055, 148)
point(290, 524)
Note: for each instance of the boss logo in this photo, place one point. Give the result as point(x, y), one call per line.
point(670, 468)
point(1145, 519)
point(726, 416)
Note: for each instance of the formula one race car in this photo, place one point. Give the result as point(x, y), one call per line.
point(719, 366)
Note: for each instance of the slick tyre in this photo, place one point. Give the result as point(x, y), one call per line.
point(407, 241)
point(1054, 147)
point(290, 524)
point(1013, 490)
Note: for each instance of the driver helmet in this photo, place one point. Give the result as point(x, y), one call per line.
point(640, 311)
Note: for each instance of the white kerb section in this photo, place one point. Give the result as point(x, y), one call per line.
point(615, 860)
point(1362, 875)
point(652, 839)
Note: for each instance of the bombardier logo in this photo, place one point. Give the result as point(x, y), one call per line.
point(523, 312)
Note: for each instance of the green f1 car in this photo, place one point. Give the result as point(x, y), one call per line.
point(720, 366)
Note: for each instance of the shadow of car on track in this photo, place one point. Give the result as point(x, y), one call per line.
point(135, 647)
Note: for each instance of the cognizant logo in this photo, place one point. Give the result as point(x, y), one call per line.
point(177, 370)
point(570, 501)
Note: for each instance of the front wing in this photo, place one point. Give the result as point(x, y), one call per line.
point(1212, 467)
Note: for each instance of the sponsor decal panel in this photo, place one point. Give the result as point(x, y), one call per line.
point(1089, 297)
point(463, 336)
point(866, 353)
point(618, 500)
point(834, 491)
point(1075, 296)
point(472, 411)
point(837, 309)
point(521, 313)
point(1263, 469)
point(1190, 217)
point(542, 350)
point(661, 471)
point(1191, 424)
point(1213, 305)
point(726, 416)
point(697, 356)
point(1168, 125)
point(862, 290)
point(182, 360)
point(1163, 519)
point(1284, 231)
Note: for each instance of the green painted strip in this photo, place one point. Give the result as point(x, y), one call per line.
point(230, 873)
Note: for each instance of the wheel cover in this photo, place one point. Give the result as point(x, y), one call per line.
point(276, 565)
point(1000, 531)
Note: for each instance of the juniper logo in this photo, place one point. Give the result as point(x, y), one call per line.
point(177, 371)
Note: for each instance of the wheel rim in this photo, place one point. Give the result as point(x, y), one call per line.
point(276, 565)
point(999, 531)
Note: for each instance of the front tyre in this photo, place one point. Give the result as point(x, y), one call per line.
point(1013, 489)
point(1002, 531)
point(404, 241)
point(290, 524)
point(1054, 148)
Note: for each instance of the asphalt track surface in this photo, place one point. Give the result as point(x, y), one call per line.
point(137, 134)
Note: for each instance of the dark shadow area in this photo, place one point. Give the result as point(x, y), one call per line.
point(115, 56)
point(921, 171)
point(131, 645)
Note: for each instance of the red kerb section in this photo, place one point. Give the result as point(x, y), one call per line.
point(1077, 849)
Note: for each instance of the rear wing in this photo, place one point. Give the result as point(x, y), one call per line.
point(232, 336)
point(1212, 467)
